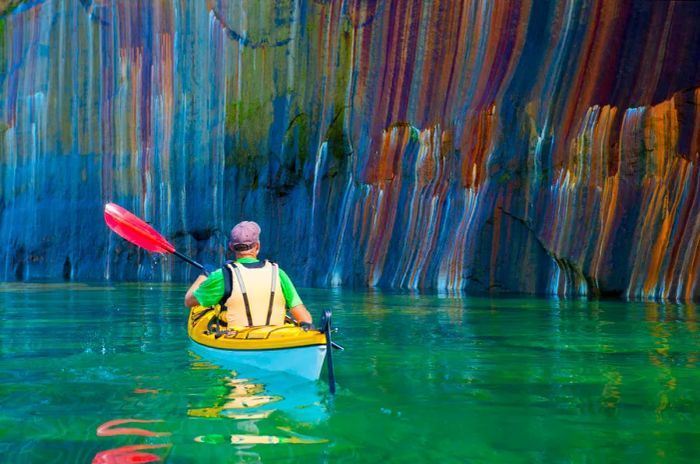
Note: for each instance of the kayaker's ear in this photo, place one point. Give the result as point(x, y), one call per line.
point(230, 245)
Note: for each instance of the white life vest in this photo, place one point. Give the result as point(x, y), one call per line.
point(256, 295)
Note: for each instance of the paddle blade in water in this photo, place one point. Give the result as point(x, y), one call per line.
point(135, 230)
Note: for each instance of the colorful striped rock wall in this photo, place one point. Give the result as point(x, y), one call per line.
point(479, 145)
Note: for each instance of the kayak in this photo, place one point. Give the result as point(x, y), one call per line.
point(287, 348)
point(283, 348)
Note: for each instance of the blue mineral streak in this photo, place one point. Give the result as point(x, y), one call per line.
point(342, 134)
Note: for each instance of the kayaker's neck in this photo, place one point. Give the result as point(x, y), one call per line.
point(248, 254)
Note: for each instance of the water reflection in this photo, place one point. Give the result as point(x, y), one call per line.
point(259, 402)
point(658, 316)
point(563, 380)
point(130, 453)
point(243, 395)
point(111, 428)
point(254, 439)
point(265, 408)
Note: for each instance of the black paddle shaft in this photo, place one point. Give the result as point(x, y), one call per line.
point(190, 260)
point(329, 351)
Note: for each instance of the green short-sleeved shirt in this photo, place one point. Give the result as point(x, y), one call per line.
point(211, 290)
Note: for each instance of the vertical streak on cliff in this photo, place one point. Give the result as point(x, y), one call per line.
point(608, 182)
point(639, 180)
point(667, 233)
point(480, 145)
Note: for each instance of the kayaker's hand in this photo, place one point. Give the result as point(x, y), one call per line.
point(307, 326)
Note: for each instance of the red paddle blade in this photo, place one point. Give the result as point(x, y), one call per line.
point(135, 230)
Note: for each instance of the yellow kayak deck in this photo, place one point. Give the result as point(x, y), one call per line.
point(201, 330)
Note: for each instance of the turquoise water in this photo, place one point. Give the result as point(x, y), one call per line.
point(422, 379)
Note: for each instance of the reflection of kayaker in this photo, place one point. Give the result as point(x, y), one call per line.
point(245, 439)
point(253, 292)
point(249, 398)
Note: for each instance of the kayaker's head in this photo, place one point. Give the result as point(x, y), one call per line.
point(245, 239)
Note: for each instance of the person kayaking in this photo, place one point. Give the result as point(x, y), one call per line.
point(253, 292)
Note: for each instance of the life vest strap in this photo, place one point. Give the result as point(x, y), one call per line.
point(228, 285)
point(272, 292)
point(245, 294)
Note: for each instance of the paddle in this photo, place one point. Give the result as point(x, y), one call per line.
point(138, 232)
point(135, 230)
point(327, 328)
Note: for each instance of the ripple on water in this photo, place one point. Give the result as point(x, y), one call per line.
point(423, 378)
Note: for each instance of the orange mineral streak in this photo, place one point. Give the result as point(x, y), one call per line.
point(608, 212)
point(426, 166)
point(385, 164)
point(600, 145)
point(403, 56)
point(457, 53)
point(661, 135)
point(477, 140)
point(609, 185)
point(523, 21)
point(593, 59)
point(326, 66)
point(657, 44)
point(387, 186)
point(361, 66)
point(658, 254)
point(474, 28)
point(676, 269)
point(493, 49)
point(667, 260)
point(426, 97)
point(423, 228)
point(695, 141)
point(447, 31)
point(603, 171)
point(135, 77)
point(692, 272)
point(166, 88)
point(450, 34)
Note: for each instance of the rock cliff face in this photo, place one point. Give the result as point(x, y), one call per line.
point(489, 146)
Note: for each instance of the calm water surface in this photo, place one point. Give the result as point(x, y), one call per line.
point(106, 374)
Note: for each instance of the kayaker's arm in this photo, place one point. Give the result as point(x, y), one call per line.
point(190, 299)
point(291, 298)
point(301, 314)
